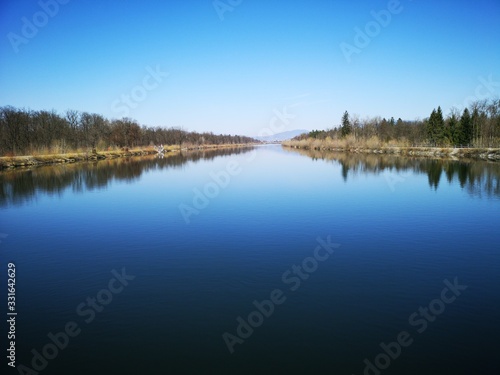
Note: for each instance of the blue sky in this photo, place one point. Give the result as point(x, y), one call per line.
point(236, 68)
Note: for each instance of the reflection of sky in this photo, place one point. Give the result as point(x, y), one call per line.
point(194, 280)
point(274, 188)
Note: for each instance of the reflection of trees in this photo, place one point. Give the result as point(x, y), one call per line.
point(19, 186)
point(434, 173)
point(345, 171)
point(479, 178)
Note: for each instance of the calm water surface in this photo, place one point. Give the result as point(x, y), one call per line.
point(206, 238)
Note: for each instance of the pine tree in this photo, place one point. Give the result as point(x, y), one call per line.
point(439, 127)
point(453, 130)
point(435, 127)
point(465, 128)
point(346, 125)
point(429, 127)
point(399, 128)
point(385, 130)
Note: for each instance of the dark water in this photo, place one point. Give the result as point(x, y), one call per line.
point(343, 254)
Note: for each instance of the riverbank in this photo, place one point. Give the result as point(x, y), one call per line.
point(10, 162)
point(492, 154)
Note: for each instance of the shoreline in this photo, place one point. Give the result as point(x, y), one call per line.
point(28, 161)
point(490, 154)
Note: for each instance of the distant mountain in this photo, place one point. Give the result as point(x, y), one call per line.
point(284, 136)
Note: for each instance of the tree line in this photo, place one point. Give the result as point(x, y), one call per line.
point(25, 132)
point(476, 126)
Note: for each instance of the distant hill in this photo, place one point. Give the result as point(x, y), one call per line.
point(284, 136)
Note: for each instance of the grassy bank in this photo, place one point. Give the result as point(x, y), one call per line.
point(7, 162)
point(374, 146)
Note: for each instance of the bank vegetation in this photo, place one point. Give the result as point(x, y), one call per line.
point(475, 132)
point(37, 133)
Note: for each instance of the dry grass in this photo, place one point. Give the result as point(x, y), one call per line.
point(43, 156)
point(348, 143)
point(69, 157)
point(376, 146)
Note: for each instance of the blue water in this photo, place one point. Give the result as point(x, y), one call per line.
point(398, 232)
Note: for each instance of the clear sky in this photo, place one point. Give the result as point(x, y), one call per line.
point(234, 65)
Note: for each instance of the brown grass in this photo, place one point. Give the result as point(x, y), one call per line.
point(376, 146)
point(43, 156)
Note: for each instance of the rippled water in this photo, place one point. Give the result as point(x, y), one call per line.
point(259, 260)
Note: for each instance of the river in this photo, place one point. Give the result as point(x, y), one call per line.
point(248, 261)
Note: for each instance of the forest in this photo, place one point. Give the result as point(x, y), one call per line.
point(476, 126)
point(28, 132)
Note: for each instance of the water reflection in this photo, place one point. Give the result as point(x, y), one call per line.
point(20, 186)
point(479, 178)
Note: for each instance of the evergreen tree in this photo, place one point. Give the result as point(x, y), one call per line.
point(429, 127)
point(465, 128)
point(399, 129)
point(346, 125)
point(453, 130)
point(439, 127)
point(435, 127)
point(384, 130)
